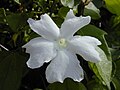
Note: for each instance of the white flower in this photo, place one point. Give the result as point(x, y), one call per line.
point(60, 47)
point(69, 3)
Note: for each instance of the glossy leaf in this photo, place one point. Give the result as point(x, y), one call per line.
point(11, 70)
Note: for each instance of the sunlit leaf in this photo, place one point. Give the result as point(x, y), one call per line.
point(113, 5)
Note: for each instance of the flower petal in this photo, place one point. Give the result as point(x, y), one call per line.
point(45, 27)
point(72, 24)
point(70, 15)
point(41, 50)
point(86, 47)
point(69, 3)
point(88, 39)
point(65, 65)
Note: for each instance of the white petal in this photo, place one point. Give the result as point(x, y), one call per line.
point(69, 3)
point(91, 6)
point(88, 39)
point(45, 27)
point(86, 47)
point(65, 65)
point(41, 50)
point(70, 15)
point(72, 24)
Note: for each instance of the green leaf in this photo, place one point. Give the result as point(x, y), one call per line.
point(116, 78)
point(115, 21)
point(115, 54)
point(58, 21)
point(98, 3)
point(117, 73)
point(92, 11)
point(113, 5)
point(67, 85)
point(63, 11)
point(114, 31)
point(11, 69)
point(76, 2)
point(116, 83)
point(102, 69)
point(17, 21)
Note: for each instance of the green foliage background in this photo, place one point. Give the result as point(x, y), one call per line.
point(15, 32)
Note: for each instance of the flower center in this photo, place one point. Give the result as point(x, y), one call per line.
point(62, 42)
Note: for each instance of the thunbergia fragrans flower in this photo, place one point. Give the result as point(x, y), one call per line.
point(60, 47)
